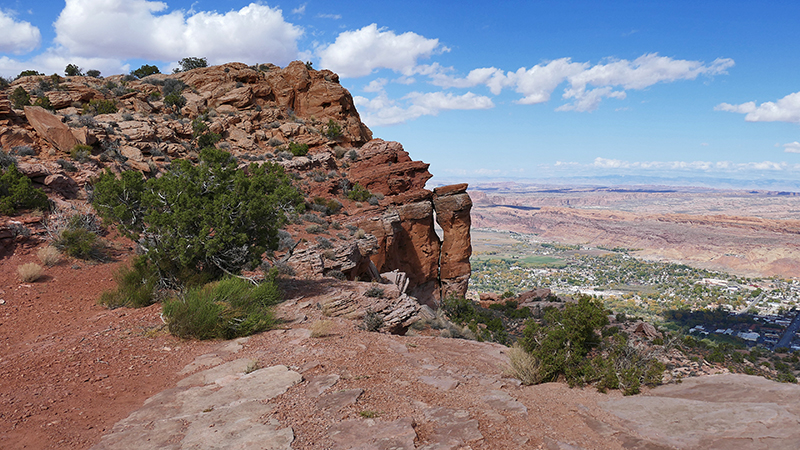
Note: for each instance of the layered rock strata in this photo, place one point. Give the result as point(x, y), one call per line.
point(407, 240)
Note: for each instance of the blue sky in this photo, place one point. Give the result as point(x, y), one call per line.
point(536, 90)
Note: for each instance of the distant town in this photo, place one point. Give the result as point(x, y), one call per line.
point(748, 311)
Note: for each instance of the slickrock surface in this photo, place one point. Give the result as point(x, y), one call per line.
point(358, 390)
point(730, 411)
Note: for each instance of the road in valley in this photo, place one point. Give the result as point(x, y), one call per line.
point(786, 339)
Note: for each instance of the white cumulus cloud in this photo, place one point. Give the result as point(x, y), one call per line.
point(358, 53)
point(792, 147)
point(383, 111)
point(786, 109)
point(587, 84)
point(144, 29)
point(17, 37)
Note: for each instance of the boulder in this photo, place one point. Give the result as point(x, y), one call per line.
point(238, 98)
point(71, 93)
point(533, 294)
point(131, 152)
point(84, 135)
point(63, 185)
point(647, 330)
point(50, 128)
point(385, 168)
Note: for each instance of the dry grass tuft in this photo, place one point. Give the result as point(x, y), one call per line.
point(321, 328)
point(252, 366)
point(30, 272)
point(523, 366)
point(49, 256)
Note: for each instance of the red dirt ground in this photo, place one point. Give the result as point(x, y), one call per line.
point(71, 368)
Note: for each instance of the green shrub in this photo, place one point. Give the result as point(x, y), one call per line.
point(73, 71)
point(94, 73)
point(174, 101)
point(229, 308)
point(567, 344)
point(333, 130)
point(27, 73)
point(209, 139)
point(6, 160)
point(79, 243)
point(373, 321)
point(375, 292)
point(80, 152)
point(145, 70)
point(68, 166)
point(211, 217)
point(96, 106)
point(509, 309)
point(359, 193)
point(173, 86)
point(483, 323)
point(298, 149)
point(17, 192)
point(20, 98)
point(198, 127)
point(192, 62)
point(621, 365)
point(327, 206)
point(136, 286)
point(43, 102)
point(564, 339)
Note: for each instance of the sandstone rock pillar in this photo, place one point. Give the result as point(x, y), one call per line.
point(452, 205)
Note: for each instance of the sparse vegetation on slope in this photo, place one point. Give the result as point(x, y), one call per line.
point(17, 192)
point(208, 218)
point(226, 309)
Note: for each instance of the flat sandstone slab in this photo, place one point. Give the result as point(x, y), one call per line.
point(222, 412)
point(716, 412)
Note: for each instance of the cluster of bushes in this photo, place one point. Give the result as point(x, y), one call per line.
point(16, 189)
point(198, 226)
point(734, 357)
point(359, 193)
point(205, 138)
point(568, 345)
point(485, 324)
point(572, 344)
point(76, 234)
point(98, 106)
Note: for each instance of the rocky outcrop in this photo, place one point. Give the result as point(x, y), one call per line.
point(257, 111)
point(295, 90)
point(384, 167)
point(396, 309)
point(407, 241)
point(452, 205)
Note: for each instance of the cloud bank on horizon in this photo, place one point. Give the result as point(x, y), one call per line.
point(396, 75)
